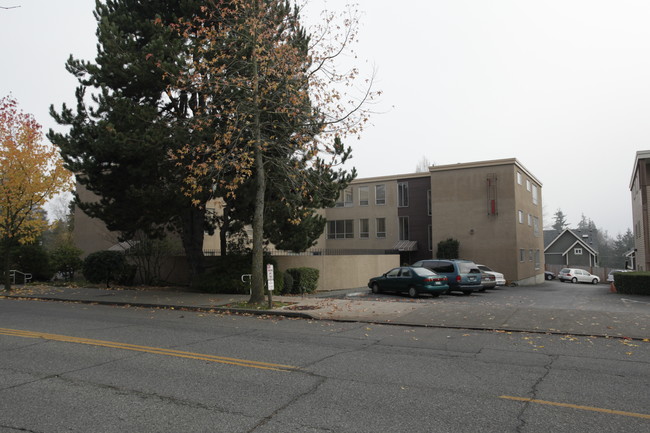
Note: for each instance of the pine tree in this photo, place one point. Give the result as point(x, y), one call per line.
point(119, 144)
point(560, 221)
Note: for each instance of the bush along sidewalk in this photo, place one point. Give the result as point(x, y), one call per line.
point(632, 283)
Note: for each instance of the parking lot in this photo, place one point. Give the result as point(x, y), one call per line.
point(550, 295)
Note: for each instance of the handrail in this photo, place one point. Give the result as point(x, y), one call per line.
point(27, 277)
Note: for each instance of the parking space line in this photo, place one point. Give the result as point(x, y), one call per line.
point(575, 406)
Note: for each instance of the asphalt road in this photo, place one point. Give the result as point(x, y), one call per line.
point(90, 368)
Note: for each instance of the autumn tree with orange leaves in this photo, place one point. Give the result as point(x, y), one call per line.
point(275, 106)
point(31, 172)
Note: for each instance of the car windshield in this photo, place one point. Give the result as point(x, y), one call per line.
point(484, 268)
point(424, 272)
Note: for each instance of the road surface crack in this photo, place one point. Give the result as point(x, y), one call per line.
point(533, 394)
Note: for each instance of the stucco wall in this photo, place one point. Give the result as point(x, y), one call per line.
point(461, 210)
point(342, 272)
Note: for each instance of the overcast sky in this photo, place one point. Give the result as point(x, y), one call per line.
point(563, 86)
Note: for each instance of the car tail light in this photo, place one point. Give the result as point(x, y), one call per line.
point(458, 278)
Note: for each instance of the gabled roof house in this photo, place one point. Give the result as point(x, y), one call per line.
point(569, 248)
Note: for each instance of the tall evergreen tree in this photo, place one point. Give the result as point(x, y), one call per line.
point(119, 144)
point(560, 221)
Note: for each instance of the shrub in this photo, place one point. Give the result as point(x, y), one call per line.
point(33, 259)
point(104, 266)
point(287, 285)
point(632, 283)
point(224, 276)
point(448, 249)
point(66, 260)
point(304, 279)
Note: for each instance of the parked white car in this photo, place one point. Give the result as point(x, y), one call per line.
point(501, 280)
point(610, 276)
point(577, 276)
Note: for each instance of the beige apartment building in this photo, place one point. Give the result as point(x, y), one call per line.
point(493, 208)
point(640, 257)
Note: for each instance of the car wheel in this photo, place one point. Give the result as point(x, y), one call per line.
point(574, 280)
point(594, 281)
point(467, 292)
point(482, 290)
point(548, 277)
point(413, 292)
point(375, 289)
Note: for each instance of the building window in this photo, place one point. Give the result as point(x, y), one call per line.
point(345, 198)
point(364, 195)
point(530, 255)
point(577, 251)
point(536, 226)
point(537, 262)
point(519, 178)
point(402, 194)
point(340, 229)
point(530, 220)
point(364, 228)
point(527, 185)
point(535, 198)
point(403, 228)
point(429, 202)
point(430, 233)
point(521, 216)
point(380, 194)
point(381, 227)
point(522, 255)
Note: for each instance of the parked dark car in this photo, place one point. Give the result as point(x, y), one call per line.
point(462, 275)
point(410, 280)
point(548, 275)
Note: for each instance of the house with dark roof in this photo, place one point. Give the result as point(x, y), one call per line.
point(570, 248)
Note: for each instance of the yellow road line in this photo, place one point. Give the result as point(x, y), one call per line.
point(575, 406)
point(149, 349)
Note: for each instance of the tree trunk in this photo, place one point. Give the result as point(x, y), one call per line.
point(6, 266)
point(257, 293)
point(192, 238)
point(223, 231)
point(257, 273)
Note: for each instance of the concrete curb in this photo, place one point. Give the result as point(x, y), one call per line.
point(303, 315)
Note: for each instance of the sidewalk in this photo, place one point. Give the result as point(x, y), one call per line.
point(355, 306)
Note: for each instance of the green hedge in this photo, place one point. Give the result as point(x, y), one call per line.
point(224, 276)
point(106, 266)
point(632, 283)
point(304, 279)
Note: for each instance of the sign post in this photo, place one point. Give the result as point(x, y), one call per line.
point(270, 283)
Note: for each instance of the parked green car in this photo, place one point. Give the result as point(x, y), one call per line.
point(410, 280)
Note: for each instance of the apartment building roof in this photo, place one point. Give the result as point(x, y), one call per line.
point(458, 166)
point(488, 163)
point(641, 154)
